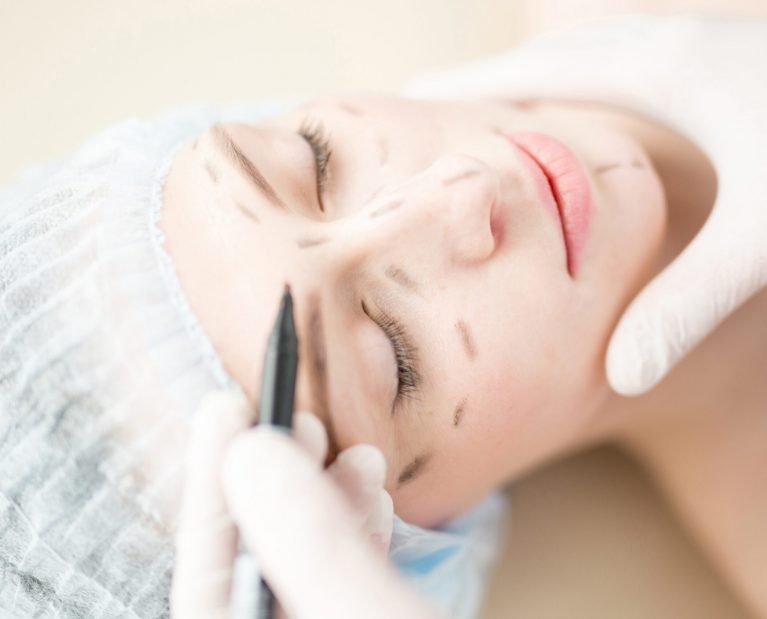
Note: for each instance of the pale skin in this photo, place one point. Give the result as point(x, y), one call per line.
point(510, 345)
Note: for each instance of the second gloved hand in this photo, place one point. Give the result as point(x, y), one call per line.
point(705, 75)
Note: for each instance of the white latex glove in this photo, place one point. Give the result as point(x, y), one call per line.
point(320, 536)
point(704, 74)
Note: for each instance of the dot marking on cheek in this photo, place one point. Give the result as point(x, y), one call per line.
point(311, 241)
point(458, 413)
point(211, 170)
point(386, 208)
point(459, 177)
point(467, 339)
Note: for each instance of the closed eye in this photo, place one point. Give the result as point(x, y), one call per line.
point(317, 138)
point(405, 353)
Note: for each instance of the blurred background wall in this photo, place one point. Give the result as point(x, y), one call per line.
point(70, 67)
point(589, 537)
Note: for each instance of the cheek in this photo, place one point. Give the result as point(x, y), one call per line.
point(632, 217)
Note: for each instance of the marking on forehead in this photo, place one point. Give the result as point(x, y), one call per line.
point(350, 109)
point(373, 195)
point(467, 339)
point(311, 241)
point(247, 211)
point(390, 206)
point(522, 104)
point(402, 278)
point(413, 469)
point(194, 144)
point(637, 164)
point(459, 177)
point(212, 170)
point(383, 151)
point(458, 412)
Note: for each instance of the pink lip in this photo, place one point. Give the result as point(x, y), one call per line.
point(563, 185)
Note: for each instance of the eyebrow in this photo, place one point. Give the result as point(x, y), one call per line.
point(415, 468)
point(318, 373)
point(225, 142)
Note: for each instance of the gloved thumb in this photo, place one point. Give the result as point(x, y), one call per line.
point(718, 271)
point(304, 534)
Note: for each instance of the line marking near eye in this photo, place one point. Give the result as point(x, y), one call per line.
point(211, 170)
point(402, 278)
point(467, 338)
point(311, 241)
point(247, 211)
point(413, 469)
point(386, 208)
point(458, 413)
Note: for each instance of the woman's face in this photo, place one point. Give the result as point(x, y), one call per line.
point(437, 315)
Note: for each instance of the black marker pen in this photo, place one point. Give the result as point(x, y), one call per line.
point(275, 408)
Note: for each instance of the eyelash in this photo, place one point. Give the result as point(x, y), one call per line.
point(408, 377)
point(317, 138)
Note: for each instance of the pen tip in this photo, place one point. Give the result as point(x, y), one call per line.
point(286, 290)
point(286, 304)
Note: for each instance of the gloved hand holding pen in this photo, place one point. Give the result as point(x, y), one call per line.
point(701, 74)
point(308, 528)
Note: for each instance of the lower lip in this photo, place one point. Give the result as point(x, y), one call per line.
point(569, 185)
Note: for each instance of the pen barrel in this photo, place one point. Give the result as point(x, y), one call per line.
point(278, 392)
point(251, 596)
point(255, 598)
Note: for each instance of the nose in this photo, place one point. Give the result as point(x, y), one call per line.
point(444, 212)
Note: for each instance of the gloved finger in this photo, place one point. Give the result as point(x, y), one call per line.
point(360, 471)
point(556, 64)
point(720, 269)
point(206, 538)
point(310, 433)
point(301, 529)
point(379, 522)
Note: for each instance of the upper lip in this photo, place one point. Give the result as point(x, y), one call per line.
point(563, 185)
point(540, 169)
